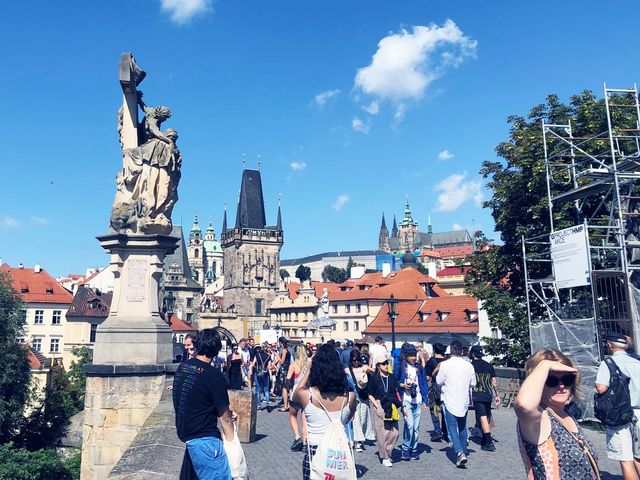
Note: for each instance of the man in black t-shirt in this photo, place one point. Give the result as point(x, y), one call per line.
point(484, 393)
point(200, 398)
point(435, 404)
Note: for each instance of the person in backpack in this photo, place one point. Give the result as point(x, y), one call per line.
point(412, 381)
point(435, 398)
point(623, 441)
point(484, 394)
point(552, 444)
point(324, 396)
point(260, 367)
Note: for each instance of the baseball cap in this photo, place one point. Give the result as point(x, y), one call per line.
point(616, 338)
point(349, 343)
point(476, 351)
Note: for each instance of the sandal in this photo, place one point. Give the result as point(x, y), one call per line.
point(283, 409)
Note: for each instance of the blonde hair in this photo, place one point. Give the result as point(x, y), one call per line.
point(555, 356)
point(302, 357)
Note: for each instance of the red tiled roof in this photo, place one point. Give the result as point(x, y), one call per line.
point(178, 325)
point(36, 360)
point(454, 252)
point(33, 287)
point(456, 270)
point(422, 316)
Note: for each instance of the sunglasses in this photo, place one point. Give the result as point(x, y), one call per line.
point(384, 363)
point(567, 380)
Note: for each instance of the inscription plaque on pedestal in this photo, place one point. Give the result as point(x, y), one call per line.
point(136, 282)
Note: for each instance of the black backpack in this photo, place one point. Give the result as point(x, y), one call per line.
point(613, 407)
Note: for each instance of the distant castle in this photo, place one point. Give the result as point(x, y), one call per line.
point(405, 237)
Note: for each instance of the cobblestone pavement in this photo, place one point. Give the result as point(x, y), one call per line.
point(270, 458)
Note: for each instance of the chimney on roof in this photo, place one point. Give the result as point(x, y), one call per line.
point(431, 266)
point(20, 265)
point(386, 269)
point(37, 268)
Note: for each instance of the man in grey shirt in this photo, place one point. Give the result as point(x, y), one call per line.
point(623, 442)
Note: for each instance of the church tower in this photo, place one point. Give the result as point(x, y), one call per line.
point(196, 252)
point(408, 233)
point(394, 230)
point(251, 251)
point(212, 256)
point(383, 237)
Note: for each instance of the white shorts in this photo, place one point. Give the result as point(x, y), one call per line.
point(623, 443)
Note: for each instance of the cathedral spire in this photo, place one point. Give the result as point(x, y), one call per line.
point(384, 224)
point(429, 228)
point(224, 220)
point(383, 237)
point(394, 230)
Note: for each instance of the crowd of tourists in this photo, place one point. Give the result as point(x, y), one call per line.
point(346, 398)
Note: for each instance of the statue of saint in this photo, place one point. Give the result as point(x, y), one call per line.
point(147, 185)
point(323, 305)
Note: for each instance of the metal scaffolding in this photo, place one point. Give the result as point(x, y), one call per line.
point(599, 177)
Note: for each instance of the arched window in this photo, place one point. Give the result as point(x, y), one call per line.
point(181, 339)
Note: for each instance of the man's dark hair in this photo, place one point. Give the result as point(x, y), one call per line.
point(327, 373)
point(190, 336)
point(355, 356)
point(208, 343)
point(379, 339)
point(456, 348)
point(283, 342)
point(439, 348)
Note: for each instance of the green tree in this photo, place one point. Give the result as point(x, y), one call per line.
point(334, 274)
point(76, 376)
point(22, 464)
point(350, 263)
point(422, 269)
point(14, 364)
point(303, 273)
point(519, 207)
point(283, 274)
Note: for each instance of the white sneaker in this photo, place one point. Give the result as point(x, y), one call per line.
point(387, 462)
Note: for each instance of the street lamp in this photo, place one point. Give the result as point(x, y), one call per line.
point(169, 303)
point(391, 303)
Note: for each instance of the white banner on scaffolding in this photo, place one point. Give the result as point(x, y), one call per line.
point(570, 256)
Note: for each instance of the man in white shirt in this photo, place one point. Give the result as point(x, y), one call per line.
point(378, 349)
point(456, 377)
point(623, 442)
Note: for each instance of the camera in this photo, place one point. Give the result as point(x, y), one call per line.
point(413, 390)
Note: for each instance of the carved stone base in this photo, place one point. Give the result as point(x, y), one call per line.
point(134, 333)
point(243, 402)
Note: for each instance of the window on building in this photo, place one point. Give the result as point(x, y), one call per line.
point(20, 340)
point(36, 344)
point(358, 308)
point(190, 302)
point(258, 306)
point(335, 308)
point(442, 315)
point(39, 318)
point(347, 308)
point(295, 332)
point(494, 333)
point(92, 335)
point(196, 253)
point(189, 317)
point(356, 326)
point(49, 289)
point(55, 345)
point(180, 338)
point(57, 317)
point(345, 326)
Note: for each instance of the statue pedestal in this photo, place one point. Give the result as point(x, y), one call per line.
point(243, 402)
point(134, 333)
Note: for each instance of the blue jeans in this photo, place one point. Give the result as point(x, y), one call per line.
point(209, 458)
point(411, 426)
point(262, 388)
point(457, 430)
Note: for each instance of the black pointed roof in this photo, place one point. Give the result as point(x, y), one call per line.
point(394, 231)
point(384, 223)
point(279, 224)
point(250, 213)
point(224, 220)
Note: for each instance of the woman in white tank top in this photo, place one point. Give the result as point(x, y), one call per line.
point(324, 396)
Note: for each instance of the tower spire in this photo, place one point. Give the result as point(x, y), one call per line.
point(279, 224)
point(224, 220)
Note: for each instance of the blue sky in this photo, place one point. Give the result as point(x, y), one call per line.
point(351, 105)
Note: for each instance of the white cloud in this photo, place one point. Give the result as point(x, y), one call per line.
point(373, 108)
point(407, 62)
point(360, 126)
point(298, 166)
point(341, 201)
point(9, 222)
point(445, 155)
point(326, 97)
point(456, 226)
point(182, 11)
point(454, 191)
point(40, 220)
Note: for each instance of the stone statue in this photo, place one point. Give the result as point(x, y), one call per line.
point(322, 319)
point(147, 185)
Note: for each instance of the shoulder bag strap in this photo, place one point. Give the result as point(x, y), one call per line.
point(581, 443)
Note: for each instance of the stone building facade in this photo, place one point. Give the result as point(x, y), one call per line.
point(251, 252)
point(205, 254)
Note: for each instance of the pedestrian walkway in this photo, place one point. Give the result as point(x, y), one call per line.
point(270, 454)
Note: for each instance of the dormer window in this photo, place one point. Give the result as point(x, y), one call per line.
point(470, 315)
point(49, 290)
point(442, 315)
